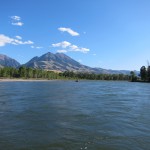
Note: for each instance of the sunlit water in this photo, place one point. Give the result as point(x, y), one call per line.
point(68, 115)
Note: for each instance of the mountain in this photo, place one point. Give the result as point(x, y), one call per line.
point(57, 62)
point(6, 61)
point(62, 62)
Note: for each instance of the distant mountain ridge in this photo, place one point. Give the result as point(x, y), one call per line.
point(57, 62)
point(6, 61)
point(62, 62)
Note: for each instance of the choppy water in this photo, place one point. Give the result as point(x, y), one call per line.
point(66, 115)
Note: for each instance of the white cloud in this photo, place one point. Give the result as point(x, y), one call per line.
point(16, 21)
point(70, 31)
point(62, 51)
point(70, 47)
point(18, 37)
point(37, 47)
point(28, 42)
point(63, 44)
point(79, 49)
point(84, 50)
point(18, 42)
point(4, 40)
point(7, 40)
point(17, 18)
point(74, 47)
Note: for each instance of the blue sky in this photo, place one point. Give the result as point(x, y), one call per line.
point(111, 34)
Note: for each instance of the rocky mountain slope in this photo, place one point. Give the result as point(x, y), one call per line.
point(58, 61)
point(62, 62)
point(6, 61)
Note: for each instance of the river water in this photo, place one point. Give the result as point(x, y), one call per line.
point(68, 115)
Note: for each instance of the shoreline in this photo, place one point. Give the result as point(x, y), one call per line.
point(24, 80)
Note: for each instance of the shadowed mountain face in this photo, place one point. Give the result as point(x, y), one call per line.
point(6, 61)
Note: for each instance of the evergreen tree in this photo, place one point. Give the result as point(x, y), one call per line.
point(133, 76)
point(148, 73)
point(143, 73)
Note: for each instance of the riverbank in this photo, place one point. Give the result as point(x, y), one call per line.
point(23, 80)
point(141, 81)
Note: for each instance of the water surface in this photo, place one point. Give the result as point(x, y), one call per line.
point(68, 115)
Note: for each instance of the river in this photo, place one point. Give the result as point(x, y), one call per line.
point(69, 115)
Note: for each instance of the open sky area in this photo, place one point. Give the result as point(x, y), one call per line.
point(110, 34)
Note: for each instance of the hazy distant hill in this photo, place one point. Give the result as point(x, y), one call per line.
point(6, 61)
point(62, 62)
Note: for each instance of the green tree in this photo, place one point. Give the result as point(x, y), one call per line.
point(23, 72)
point(143, 73)
point(29, 72)
point(148, 73)
point(133, 76)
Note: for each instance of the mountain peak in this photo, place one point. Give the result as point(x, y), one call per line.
point(62, 55)
point(3, 57)
point(8, 62)
point(58, 61)
point(48, 53)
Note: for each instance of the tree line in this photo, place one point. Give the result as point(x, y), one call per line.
point(27, 73)
point(145, 73)
point(93, 76)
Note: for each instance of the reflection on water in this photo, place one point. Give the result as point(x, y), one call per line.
point(66, 115)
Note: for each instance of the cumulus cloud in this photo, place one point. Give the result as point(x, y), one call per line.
point(84, 50)
point(63, 44)
point(18, 37)
point(79, 49)
point(62, 51)
point(4, 40)
point(7, 40)
point(74, 47)
point(17, 18)
point(16, 21)
point(70, 47)
point(69, 30)
point(18, 42)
